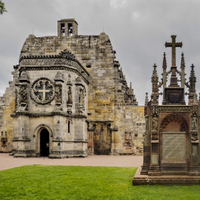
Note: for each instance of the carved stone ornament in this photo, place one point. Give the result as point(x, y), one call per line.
point(42, 91)
point(194, 109)
point(194, 123)
point(155, 110)
point(155, 123)
point(194, 136)
point(81, 105)
point(177, 108)
point(23, 98)
point(81, 97)
point(69, 101)
point(154, 135)
point(58, 94)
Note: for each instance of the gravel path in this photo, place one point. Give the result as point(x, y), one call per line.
point(7, 162)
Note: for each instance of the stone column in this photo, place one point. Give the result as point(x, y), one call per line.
point(146, 148)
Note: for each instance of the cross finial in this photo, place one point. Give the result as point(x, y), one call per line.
point(173, 44)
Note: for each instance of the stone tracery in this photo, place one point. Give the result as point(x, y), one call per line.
point(42, 91)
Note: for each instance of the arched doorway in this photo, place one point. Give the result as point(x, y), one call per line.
point(44, 142)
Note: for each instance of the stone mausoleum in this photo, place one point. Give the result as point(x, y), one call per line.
point(171, 144)
point(69, 97)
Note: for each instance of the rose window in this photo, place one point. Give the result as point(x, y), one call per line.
point(42, 91)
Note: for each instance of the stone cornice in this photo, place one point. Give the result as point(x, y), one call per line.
point(37, 57)
point(173, 108)
point(47, 114)
point(57, 62)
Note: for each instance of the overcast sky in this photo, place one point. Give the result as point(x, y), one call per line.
point(138, 30)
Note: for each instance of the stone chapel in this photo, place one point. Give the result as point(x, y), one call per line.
point(69, 97)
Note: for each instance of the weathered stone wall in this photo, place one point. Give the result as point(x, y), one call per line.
point(7, 107)
point(131, 127)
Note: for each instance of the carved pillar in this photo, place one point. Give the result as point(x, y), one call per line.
point(81, 105)
point(58, 90)
point(58, 94)
point(23, 97)
point(80, 96)
point(154, 168)
point(23, 88)
point(69, 99)
point(146, 147)
point(164, 77)
point(192, 87)
point(194, 159)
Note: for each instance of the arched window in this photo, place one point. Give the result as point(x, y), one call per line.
point(68, 126)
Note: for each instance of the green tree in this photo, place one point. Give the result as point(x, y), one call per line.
point(2, 8)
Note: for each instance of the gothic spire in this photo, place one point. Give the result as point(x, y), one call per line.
point(182, 71)
point(154, 80)
point(182, 61)
point(146, 99)
point(154, 71)
point(164, 62)
point(192, 80)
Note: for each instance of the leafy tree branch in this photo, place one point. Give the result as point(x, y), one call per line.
point(2, 8)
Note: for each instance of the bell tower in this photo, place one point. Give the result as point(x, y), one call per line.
point(67, 27)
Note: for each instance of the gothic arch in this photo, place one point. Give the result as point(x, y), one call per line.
point(39, 128)
point(174, 117)
point(37, 132)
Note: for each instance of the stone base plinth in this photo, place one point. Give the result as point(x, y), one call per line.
point(165, 179)
point(24, 153)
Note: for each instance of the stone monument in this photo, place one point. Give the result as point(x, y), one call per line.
point(171, 144)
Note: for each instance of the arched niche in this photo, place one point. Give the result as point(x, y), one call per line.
point(174, 122)
point(174, 136)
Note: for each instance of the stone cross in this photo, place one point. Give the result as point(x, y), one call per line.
point(173, 44)
point(44, 90)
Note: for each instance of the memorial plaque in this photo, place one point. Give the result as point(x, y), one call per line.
point(174, 146)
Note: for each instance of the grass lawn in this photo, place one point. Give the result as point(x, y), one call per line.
point(75, 182)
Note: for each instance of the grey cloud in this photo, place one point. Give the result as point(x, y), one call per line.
point(137, 29)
